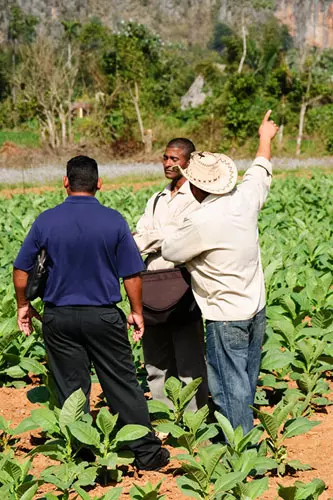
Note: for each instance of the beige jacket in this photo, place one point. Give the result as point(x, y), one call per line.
point(220, 244)
point(152, 228)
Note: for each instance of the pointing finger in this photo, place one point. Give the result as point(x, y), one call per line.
point(267, 115)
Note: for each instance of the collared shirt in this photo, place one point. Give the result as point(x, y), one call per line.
point(154, 225)
point(89, 248)
point(220, 244)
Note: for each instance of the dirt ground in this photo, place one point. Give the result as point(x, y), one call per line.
point(313, 448)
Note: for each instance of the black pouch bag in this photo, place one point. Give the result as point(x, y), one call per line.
point(167, 297)
point(37, 277)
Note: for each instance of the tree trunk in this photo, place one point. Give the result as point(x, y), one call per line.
point(135, 99)
point(148, 141)
point(70, 130)
point(69, 54)
point(300, 127)
point(240, 67)
point(62, 118)
point(281, 126)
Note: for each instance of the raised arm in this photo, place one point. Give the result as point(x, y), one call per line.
point(267, 131)
point(257, 179)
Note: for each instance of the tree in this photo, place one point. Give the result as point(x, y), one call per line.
point(21, 29)
point(314, 85)
point(45, 78)
point(136, 51)
point(71, 32)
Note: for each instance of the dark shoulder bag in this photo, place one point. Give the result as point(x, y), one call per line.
point(167, 295)
point(37, 277)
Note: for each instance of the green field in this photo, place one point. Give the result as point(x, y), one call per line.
point(21, 138)
point(296, 241)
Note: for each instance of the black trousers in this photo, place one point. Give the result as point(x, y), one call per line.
point(74, 337)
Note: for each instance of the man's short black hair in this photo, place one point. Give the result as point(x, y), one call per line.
point(82, 173)
point(185, 144)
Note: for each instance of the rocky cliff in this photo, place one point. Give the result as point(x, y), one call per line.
point(189, 21)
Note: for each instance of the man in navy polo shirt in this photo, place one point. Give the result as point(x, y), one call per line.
point(89, 248)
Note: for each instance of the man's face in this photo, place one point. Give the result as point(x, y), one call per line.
point(171, 158)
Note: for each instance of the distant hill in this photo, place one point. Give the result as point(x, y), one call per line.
point(188, 21)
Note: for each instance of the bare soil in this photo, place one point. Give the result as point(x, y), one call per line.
point(313, 448)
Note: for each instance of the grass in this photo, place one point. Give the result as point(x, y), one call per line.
point(22, 138)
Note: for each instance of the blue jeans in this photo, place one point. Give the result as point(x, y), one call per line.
point(233, 362)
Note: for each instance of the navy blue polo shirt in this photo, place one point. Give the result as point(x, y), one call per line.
point(89, 248)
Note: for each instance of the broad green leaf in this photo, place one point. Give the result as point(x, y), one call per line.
point(45, 418)
point(187, 440)
point(225, 426)
point(269, 422)
point(228, 481)
point(5, 478)
point(113, 494)
point(33, 366)
point(155, 406)
point(211, 457)
point(189, 487)
point(189, 391)
point(298, 426)
point(25, 425)
point(72, 409)
point(15, 372)
point(283, 410)
point(30, 493)
point(87, 477)
point(171, 428)
point(85, 433)
point(311, 490)
point(297, 465)
point(195, 420)
point(172, 389)
point(254, 489)
point(276, 359)
point(197, 473)
point(13, 469)
point(106, 421)
point(250, 438)
point(131, 432)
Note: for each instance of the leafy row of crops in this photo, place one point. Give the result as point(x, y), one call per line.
point(296, 240)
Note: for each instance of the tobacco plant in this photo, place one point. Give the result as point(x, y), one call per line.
point(280, 427)
point(15, 480)
point(302, 491)
point(147, 492)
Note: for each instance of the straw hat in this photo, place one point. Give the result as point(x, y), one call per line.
point(212, 172)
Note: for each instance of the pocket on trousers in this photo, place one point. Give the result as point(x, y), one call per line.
point(236, 337)
point(111, 317)
point(48, 318)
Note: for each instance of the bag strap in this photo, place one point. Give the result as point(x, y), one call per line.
point(160, 194)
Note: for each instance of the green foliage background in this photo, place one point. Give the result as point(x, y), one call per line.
point(110, 65)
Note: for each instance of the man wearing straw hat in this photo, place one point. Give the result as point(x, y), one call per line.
point(219, 243)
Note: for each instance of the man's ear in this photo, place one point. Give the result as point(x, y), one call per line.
point(186, 165)
point(66, 182)
point(99, 183)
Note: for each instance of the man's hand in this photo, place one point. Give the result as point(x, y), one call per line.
point(24, 315)
point(136, 320)
point(267, 131)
